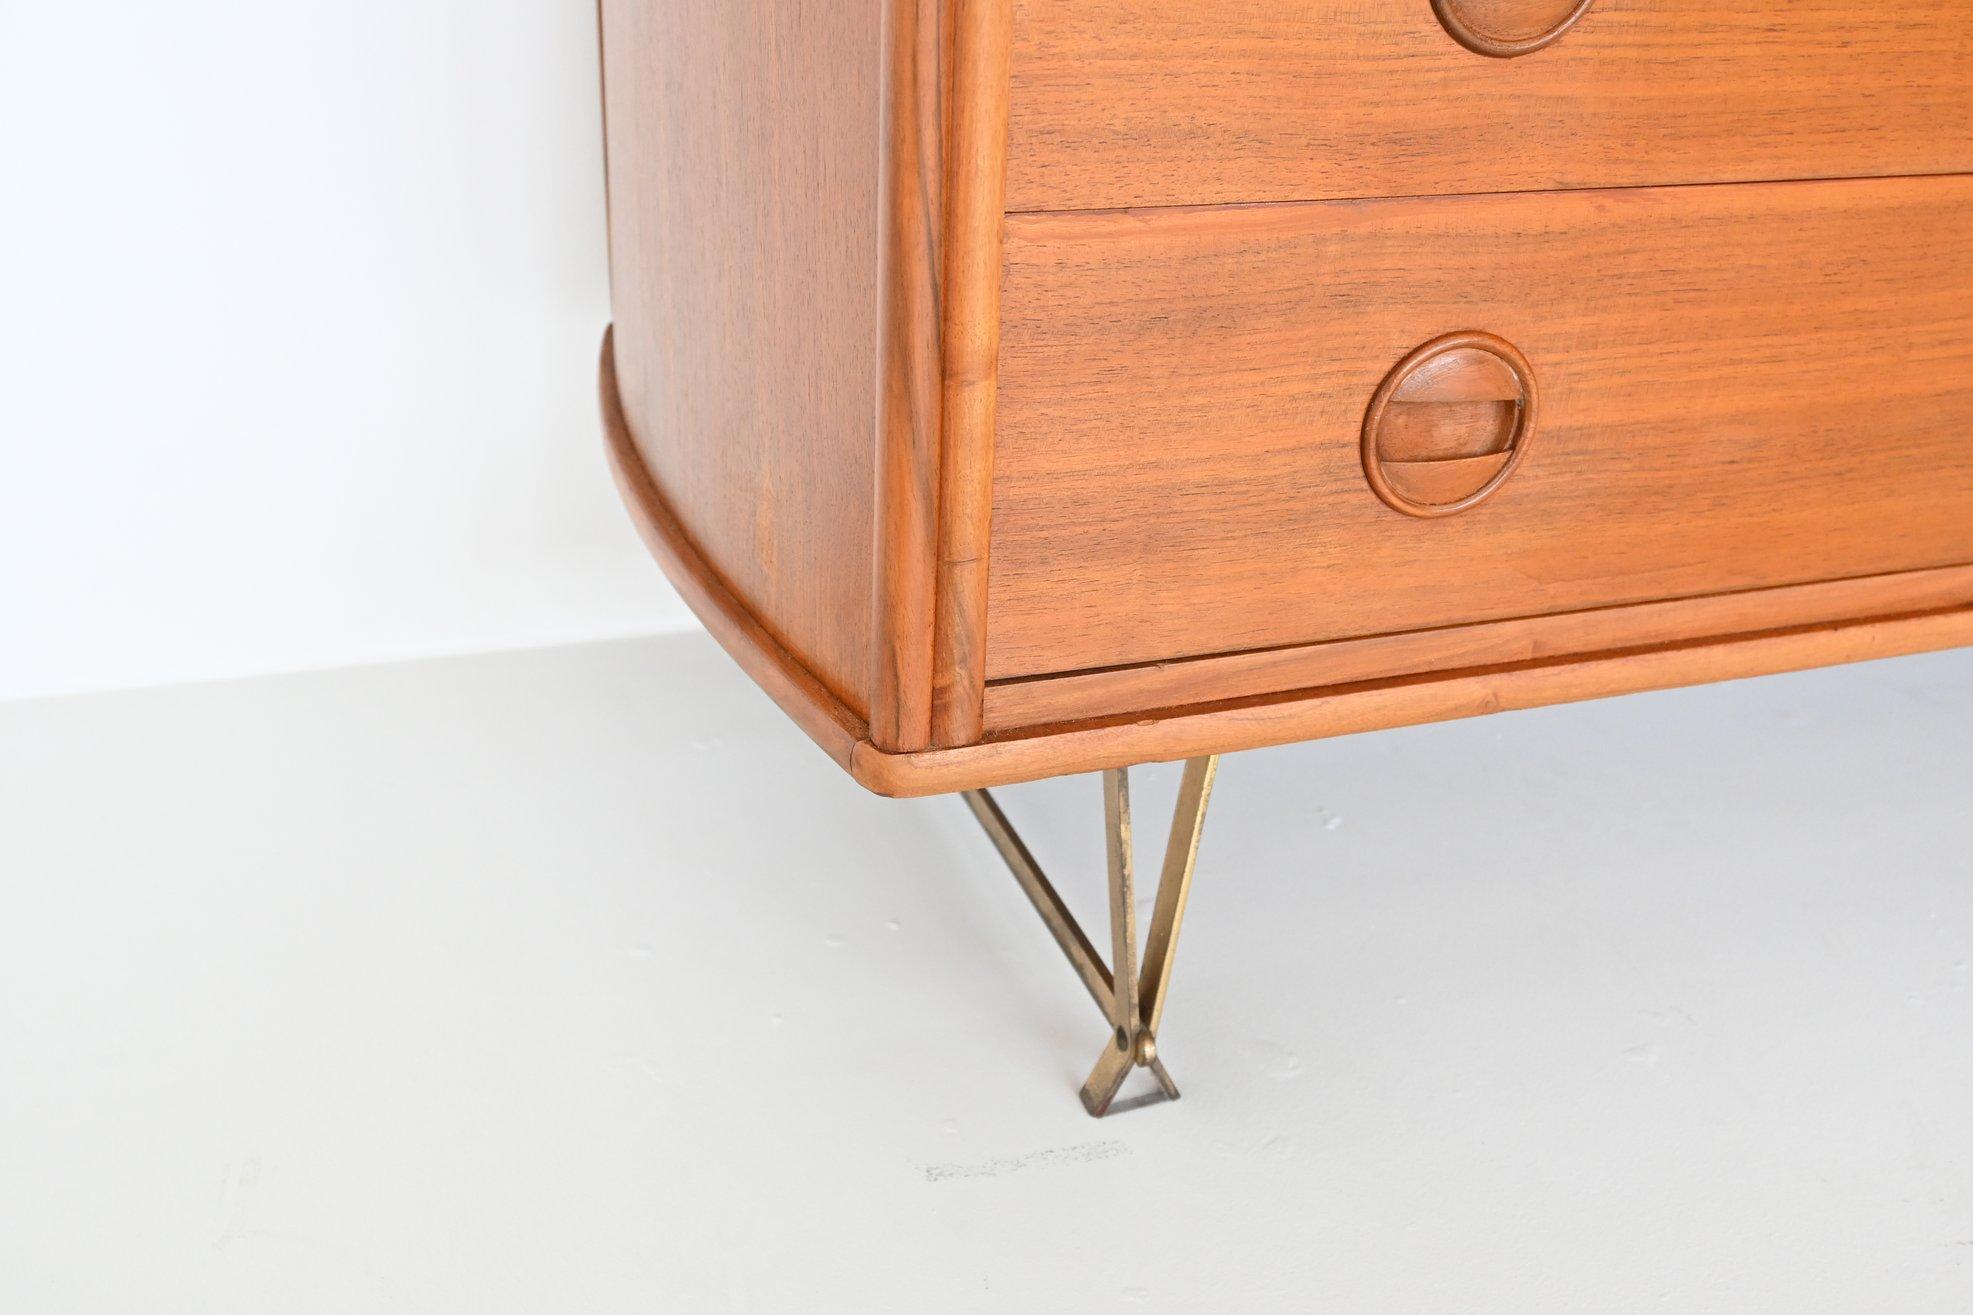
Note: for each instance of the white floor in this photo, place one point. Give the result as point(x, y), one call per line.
point(578, 981)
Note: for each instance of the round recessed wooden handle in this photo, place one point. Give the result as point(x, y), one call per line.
point(1450, 424)
point(1503, 29)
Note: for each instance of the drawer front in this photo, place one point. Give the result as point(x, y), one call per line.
point(1731, 388)
point(1160, 102)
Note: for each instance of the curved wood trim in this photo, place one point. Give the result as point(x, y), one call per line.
point(910, 209)
point(1380, 705)
point(1014, 706)
point(1495, 46)
point(975, 198)
point(1527, 413)
point(790, 684)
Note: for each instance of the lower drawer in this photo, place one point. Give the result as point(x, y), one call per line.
point(1691, 392)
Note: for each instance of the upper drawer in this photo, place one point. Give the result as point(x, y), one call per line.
point(1185, 102)
point(1727, 388)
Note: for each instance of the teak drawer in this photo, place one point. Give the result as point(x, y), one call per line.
point(1738, 388)
point(1160, 102)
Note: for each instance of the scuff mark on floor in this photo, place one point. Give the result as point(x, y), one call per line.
point(1088, 1153)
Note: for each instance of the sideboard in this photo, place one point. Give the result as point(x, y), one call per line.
point(1026, 387)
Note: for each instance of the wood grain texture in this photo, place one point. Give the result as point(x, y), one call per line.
point(1742, 387)
point(1162, 102)
point(1508, 29)
point(743, 249)
point(1450, 424)
point(812, 705)
point(975, 193)
point(910, 335)
point(1406, 701)
point(1148, 485)
point(1099, 744)
point(1017, 705)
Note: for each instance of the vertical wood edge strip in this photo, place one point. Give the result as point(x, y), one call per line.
point(910, 210)
point(975, 194)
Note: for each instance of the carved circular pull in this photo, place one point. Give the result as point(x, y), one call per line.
point(1506, 28)
point(1450, 424)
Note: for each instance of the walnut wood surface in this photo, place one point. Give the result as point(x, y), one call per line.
point(1742, 387)
point(743, 251)
point(1162, 102)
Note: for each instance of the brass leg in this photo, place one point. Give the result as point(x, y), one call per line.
point(1133, 999)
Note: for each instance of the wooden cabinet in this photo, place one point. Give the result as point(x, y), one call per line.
point(1019, 387)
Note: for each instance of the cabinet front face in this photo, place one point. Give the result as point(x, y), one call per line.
point(1190, 102)
point(1029, 386)
point(1211, 421)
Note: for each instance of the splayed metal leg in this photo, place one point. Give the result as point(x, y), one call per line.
point(1133, 999)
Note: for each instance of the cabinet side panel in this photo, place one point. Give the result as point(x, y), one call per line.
point(742, 140)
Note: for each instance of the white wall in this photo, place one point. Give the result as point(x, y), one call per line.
point(299, 305)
